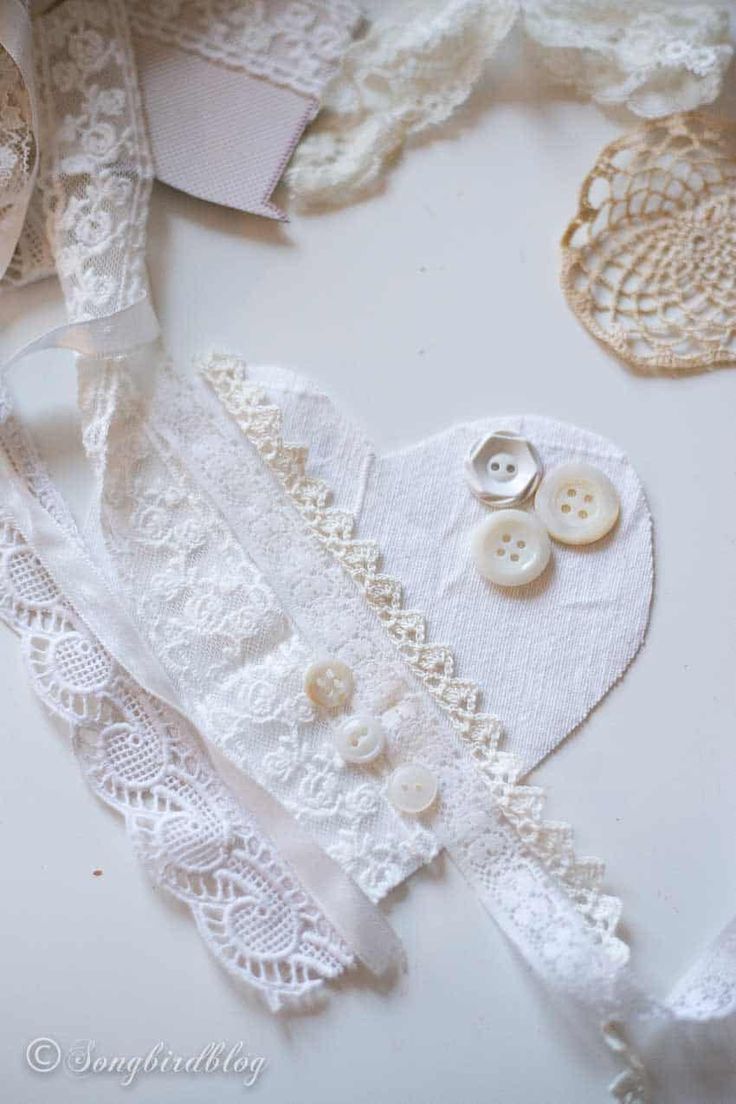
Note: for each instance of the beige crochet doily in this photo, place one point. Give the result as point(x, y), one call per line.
point(649, 261)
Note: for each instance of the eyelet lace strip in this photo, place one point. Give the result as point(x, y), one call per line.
point(142, 760)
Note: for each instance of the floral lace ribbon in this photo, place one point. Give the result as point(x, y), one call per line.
point(141, 758)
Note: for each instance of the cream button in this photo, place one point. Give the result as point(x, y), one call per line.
point(503, 469)
point(577, 503)
point(360, 739)
point(511, 548)
point(412, 788)
point(329, 683)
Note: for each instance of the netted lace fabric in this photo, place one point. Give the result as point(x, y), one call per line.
point(406, 75)
point(649, 260)
point(656, 58)
point(409, 72)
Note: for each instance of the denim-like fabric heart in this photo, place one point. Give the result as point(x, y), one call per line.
point(544, 654)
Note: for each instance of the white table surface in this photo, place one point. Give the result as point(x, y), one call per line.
point(436, 300)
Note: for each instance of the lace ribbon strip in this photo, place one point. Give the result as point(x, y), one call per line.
point(140, 757)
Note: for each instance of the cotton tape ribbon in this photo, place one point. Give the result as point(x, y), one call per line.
point(360, 922)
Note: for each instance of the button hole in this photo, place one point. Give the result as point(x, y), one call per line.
point(506, 538)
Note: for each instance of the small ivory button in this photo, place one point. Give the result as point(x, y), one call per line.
point(503, 469)
point(511, 548)
point(577, 503)
point(412, 788)
point(328, 682)
point(360, 739)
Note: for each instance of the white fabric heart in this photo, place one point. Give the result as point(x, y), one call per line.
point(545, 654)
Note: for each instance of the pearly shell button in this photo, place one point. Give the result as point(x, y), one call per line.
point(412, 788)
point(503, 469)
point(329, 683)
point(511, 548)
point(577, 503)
point(360, 739)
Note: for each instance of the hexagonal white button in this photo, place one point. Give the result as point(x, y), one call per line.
point(503, 469)
point(577, 503)
point(511, 548)
point(412, 788)
point(329, 683)
point(360, 739)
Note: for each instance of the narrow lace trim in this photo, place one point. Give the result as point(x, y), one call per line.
point(550, 842)
point(294, 43)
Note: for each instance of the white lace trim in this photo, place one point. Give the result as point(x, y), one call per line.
point(408, 73)
point(418, 62)
point(656, 58)
point(96, 169)
point(295, 43)
point(222, 636)
point(521, 806)
point(141, 759)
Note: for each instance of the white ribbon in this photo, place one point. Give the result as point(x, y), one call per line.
point(116, 335)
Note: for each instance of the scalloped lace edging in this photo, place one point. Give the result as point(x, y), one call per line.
point(141, 759)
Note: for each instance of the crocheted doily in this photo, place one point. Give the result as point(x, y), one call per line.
point(649, 260)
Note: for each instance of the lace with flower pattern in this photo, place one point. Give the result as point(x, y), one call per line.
point(143, 760)
point(295, 43)
point(225, 641)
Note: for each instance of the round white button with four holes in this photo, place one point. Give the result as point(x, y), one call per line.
point(360, 739)
point(511, 548)
point(329, 683)
point(577, 503)
point(412, 788)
